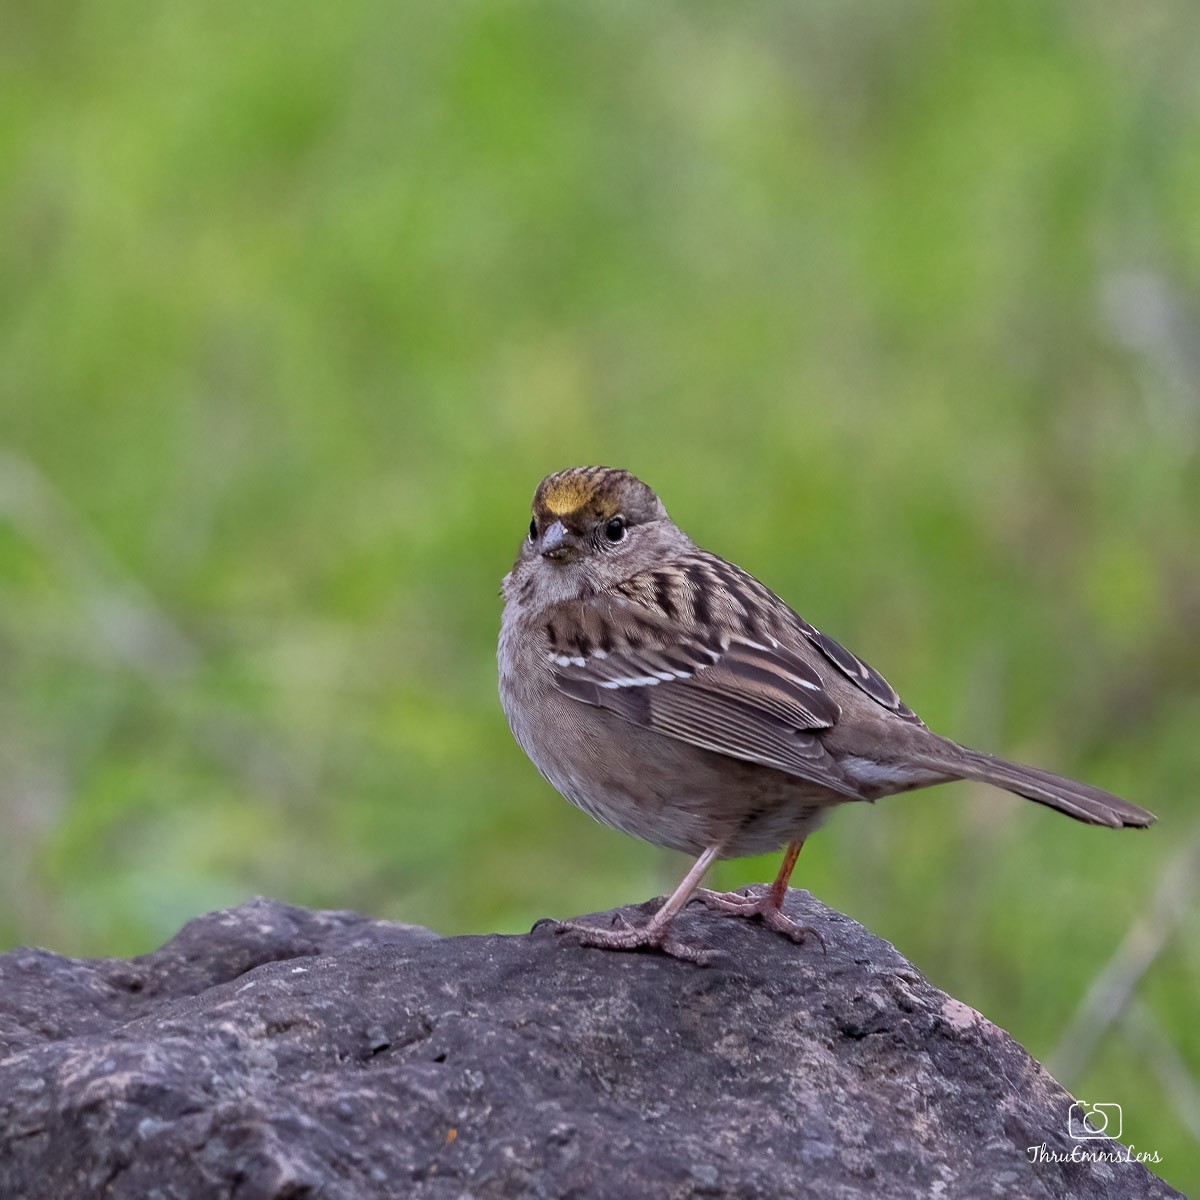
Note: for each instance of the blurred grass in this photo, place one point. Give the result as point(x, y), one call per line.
point(896, 305)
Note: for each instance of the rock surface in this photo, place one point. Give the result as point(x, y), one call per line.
point(271, 1052)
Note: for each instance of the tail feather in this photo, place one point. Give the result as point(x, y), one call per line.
point(1078, 800)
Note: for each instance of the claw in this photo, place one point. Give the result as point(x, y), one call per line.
point(766, 907)
point(791, 929)
point(743, 902)
point(677, 948)
point(633, 937)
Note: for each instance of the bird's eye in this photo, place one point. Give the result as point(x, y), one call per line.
point(615, 529)
point(533, 530)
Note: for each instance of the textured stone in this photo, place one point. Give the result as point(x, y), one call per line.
point(271, 1052)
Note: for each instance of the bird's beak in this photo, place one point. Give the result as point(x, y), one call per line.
point(559, 544)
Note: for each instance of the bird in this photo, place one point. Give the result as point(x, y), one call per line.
point(669, 694)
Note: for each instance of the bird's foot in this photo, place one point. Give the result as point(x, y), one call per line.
point(766, 906)
point(654, 935)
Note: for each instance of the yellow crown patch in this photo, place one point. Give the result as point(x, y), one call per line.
point(568, 494)
point(591, 493)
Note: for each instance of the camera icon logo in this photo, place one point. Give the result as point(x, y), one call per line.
point(1086, 1121)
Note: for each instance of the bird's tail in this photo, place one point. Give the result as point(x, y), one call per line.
point(1078, 800)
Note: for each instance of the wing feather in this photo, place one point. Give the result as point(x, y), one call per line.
point(750, 700)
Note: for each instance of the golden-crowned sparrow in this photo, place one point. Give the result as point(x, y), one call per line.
point(671, 695)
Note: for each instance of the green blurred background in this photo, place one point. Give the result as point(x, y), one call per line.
point(895, 304)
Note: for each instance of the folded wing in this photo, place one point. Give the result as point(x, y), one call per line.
point(759, 701)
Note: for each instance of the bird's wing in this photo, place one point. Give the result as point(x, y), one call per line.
point(752, 698)
point(863, 676)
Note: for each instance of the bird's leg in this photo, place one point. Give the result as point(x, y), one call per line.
point(657, 931)
point(769, 904)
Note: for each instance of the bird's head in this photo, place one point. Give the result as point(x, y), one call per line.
point(592, 526)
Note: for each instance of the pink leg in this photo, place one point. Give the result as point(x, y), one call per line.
point(768, 905)
point(657, 931)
